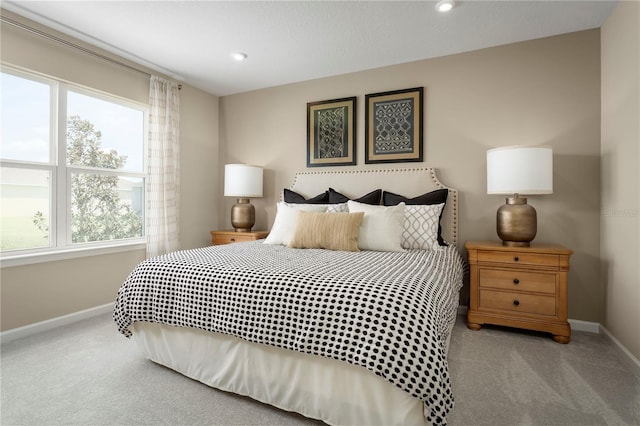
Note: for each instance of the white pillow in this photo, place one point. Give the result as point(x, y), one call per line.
point(329, 208)
point(285, 223)
point(420, 229)
point(381, 227)
point(337, 208)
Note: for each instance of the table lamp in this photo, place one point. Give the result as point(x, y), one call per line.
point(243, 182)
point(519, 170)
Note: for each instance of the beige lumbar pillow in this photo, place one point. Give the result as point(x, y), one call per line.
point(332, 231)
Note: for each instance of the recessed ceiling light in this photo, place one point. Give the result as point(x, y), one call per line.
point(239, 56)
point(445, 5)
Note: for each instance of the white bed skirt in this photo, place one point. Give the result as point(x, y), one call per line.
point(320, 388)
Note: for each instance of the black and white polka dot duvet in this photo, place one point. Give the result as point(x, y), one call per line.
point(388, 312)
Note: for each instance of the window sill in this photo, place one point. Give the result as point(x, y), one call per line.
point(74, 253)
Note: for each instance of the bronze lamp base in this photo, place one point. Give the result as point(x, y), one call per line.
point(517, 222)
point(243, 215)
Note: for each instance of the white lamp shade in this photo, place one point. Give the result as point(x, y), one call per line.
point(242, 181)
point(520, 170)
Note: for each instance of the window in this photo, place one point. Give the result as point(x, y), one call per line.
point(72, 166)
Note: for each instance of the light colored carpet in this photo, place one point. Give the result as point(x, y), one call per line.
point(88, 374)
point(504, 376)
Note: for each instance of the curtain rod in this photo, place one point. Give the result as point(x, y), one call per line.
point(73, 46)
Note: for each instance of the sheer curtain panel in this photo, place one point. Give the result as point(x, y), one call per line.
point(163, 185)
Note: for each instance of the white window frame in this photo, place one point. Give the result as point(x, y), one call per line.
point(60, 243)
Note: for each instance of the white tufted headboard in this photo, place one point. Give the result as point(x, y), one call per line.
point(406, 182)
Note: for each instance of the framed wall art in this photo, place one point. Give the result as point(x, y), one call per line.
point(393, 126)
point(331, 132)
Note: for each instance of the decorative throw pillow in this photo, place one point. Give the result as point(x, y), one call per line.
point(338, 208)
point(381, 227)
point(434, 197)
point(420, 230)
point(285, 222)
point(332, 231)
point(372, 198)
point(295, 198)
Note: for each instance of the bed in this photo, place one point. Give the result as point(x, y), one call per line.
point(346, 337)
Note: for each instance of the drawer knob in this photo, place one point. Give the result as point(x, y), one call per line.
point(516, 281)
point(232, 240)
point(516, 302)
point(516, 259)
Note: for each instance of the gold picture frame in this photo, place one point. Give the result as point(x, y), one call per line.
point(394, 126)
point(331, 132)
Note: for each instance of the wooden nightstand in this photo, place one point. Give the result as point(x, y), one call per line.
point(226, 237)
point(524, 287)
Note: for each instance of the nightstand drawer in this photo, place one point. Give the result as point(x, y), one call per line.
point(518, 280)
point(227, 239)
point(518, 258)
point(518, 302)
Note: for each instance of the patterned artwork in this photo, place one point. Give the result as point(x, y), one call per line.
point(393, 122)
point(332, 134)
point(331, 127)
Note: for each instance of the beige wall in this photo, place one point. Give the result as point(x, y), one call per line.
point(38, 292)
point(620, 233)
point(544, 91)
point(199, 160)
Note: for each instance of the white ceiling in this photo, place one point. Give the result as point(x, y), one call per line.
point(291, 41)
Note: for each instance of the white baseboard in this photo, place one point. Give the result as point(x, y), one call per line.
point(633, 361)
point(595, 327)
point(588, 326)
point(28, 330)
point(577, 325)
